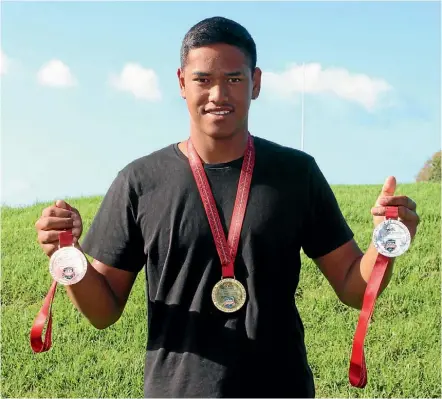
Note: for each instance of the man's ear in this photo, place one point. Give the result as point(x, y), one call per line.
point(256, 83)
point(180, 75)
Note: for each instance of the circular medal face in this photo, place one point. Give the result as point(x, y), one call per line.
point(68, 265)
point(391, 238)
point(229, 295)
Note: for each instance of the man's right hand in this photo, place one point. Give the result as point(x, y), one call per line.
point(53, 220)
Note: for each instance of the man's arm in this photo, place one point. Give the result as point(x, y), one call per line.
point(348, 269)
point(114, 240)
point(102, 294)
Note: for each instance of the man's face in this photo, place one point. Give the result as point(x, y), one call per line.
point(218, 86)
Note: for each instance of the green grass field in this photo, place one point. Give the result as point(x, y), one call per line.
point(403, 348)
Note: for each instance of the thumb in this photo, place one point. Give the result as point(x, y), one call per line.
point(63, 204)
point(389, 187)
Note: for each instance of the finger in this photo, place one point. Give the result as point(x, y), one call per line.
point(399, 200)
point(76, 232)
point(53, 236)
point(58, 212)
point(76, 217)
point(63, 204)
point(403, 213)
point(389, 186)
point(48, 237)
point(77, 225)
point(49, 249)
point(54, 223)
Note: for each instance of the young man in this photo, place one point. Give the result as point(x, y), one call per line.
point(245, 339)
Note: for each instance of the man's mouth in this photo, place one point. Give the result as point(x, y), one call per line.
point(219, 111)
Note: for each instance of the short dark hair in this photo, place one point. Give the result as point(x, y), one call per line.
point(217, 30)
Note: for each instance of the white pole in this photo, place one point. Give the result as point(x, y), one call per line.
point(302, 107)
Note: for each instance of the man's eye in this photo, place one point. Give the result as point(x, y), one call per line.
point(201, 80)
point(235, 80)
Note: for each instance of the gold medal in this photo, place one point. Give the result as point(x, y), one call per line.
point(229, 295)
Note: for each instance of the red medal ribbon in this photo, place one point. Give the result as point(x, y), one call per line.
point(358, 368)
point(37, 344)
point(226, 249)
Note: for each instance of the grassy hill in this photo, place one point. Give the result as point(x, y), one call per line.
point(403, 348)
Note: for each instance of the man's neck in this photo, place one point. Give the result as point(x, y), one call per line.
point(214, 151)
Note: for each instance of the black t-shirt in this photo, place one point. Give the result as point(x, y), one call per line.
point(153, 217)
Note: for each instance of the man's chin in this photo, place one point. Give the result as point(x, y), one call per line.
point(221, 133)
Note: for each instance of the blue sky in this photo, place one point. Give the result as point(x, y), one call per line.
point(70, 118)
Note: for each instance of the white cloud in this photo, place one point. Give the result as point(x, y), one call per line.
point(356, 87)
point(55, 74)
point(141, 82)
point(4, 63)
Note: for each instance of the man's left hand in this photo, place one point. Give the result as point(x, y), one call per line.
point(406, 206)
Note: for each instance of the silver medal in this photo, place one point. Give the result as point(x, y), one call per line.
point(67, 265)
point(391, 238)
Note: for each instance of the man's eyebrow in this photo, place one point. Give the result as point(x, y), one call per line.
point(233, 74)
point(205, 74)
point(200, 74)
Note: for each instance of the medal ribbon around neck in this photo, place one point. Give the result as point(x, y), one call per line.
point(226, 249)
point(358, 368)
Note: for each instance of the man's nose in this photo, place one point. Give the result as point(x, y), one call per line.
point(218, 93)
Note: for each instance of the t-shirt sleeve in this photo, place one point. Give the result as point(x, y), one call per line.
point(114, 237)
point(325, 228)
